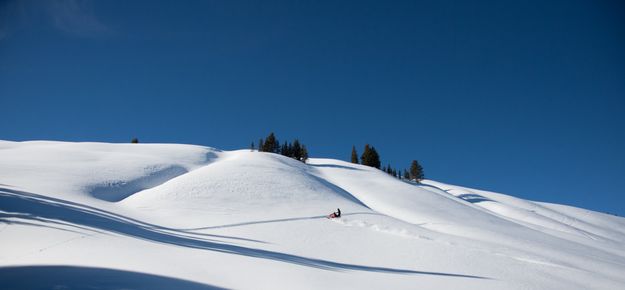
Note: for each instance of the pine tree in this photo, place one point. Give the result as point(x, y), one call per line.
point(354, 155)
point(252, 147)
point(134, 140)
point(406, 174)
point(304, 154)
point(271, 144)
point(416, 171)
point(284, 150)
point(370, 157)
point(366, 155)
point(375, 158)
point(297, 150)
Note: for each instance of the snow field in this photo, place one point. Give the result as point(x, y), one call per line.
point(196, 217)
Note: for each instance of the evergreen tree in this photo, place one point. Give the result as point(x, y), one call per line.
point(365, 157)
point(297, 150)
point(354, 155)
point(416, 171)
point(271, 144)
point(375, 158)
point(252, 147)
point(134, 140)
point(406, 175)
point(284, 150)
point(304, 154)
point(370, 157)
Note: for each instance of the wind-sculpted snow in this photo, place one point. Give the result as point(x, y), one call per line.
point(116, 190)
point(108, 172)
point(153, 216)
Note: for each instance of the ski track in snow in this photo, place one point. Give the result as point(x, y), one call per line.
point(404, 233)
point(380, 228)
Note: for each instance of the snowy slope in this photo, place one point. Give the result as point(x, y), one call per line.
point(169, 216)
point(105, 171)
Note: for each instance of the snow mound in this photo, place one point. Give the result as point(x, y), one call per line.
point(152, 175)
point(105, 171)
point(243, 182)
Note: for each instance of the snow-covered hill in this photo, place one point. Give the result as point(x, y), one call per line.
point(169, 216)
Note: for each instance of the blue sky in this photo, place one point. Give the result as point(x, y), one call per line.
point(521, 97)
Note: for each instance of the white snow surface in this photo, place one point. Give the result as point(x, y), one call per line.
point(171, 216)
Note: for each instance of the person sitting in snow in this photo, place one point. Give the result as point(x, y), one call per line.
point(336, 214)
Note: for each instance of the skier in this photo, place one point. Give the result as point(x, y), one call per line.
point(336, 214)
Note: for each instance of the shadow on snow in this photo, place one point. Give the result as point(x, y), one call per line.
point(33, 206)
point(473, 198)
point(334, 166)
point(270, 221)
point(72, 277)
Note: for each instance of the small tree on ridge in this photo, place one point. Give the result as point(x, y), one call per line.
point(354, 155)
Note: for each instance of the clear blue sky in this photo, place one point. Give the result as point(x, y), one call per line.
point(521, 97)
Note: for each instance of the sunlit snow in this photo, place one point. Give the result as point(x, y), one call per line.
point(170, 216)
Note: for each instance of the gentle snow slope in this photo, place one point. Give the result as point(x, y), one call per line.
point(167, 216)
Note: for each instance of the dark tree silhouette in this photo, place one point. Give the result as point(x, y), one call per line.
point(295, 150)
point(354, 155)
point(370, 157)
point(304, 154)
point(271, 144)
point(416, 171)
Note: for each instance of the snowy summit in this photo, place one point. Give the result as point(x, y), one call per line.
point(169, 216)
